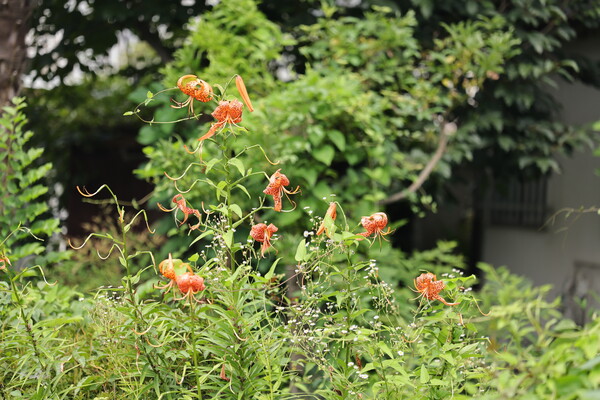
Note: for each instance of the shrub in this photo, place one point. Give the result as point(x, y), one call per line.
point(22, 191)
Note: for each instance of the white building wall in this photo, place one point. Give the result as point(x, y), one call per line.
point(549, 255)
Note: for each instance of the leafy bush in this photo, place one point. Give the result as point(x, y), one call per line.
point(256, 313)
point(22, 190)
point(368, 113)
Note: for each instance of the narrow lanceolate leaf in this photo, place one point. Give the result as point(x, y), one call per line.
point(241, 87)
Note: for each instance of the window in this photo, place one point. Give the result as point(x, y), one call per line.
point(520, 203)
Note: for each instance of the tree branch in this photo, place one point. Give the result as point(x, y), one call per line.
point(447, 130)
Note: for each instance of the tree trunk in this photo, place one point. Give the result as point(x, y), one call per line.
point(14, 24)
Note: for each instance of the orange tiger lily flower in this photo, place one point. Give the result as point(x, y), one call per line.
point(374, 225)
point(241, 87)
point(180, 204)
point(227, 112)
point(196, 89)
point(167, 269)
point(429, 288)
point(332, 214)
point(276, 188)
point(262, 233)
point(3, 261)
point(189, 284)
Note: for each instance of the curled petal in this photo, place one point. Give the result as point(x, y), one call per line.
point(241, 87)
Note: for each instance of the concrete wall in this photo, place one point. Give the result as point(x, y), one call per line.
point(550, 255)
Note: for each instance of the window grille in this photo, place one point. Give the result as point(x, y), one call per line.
point(520, 203)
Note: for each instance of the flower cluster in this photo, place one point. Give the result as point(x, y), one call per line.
point(229, 113)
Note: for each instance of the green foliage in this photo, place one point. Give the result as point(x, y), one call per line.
point(254, 315)
point(342, 325)
point(537, 353)
point(364, 118)
point(39, 335)
point(22, 190)
point(516, 126)
point(233, 38)
point(330, 316)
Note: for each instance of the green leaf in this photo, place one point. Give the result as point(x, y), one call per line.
point(237, 210)
point(385, 349)
point(180, 267)
point(338, 139)
point(324, 154)
point(509, 358)
point(236, 162)
point(590, 395)
point(424, 374)
point(211, 164)
point(220, 186)
point(591, 363)
point(243, 189)
point(438, 382)
point(32, 192)
point(126, 113)
point(58, 321)
point(301, 251)
point(228, 238)
point(310, 175)
point(271, 272)
point(203, 235)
